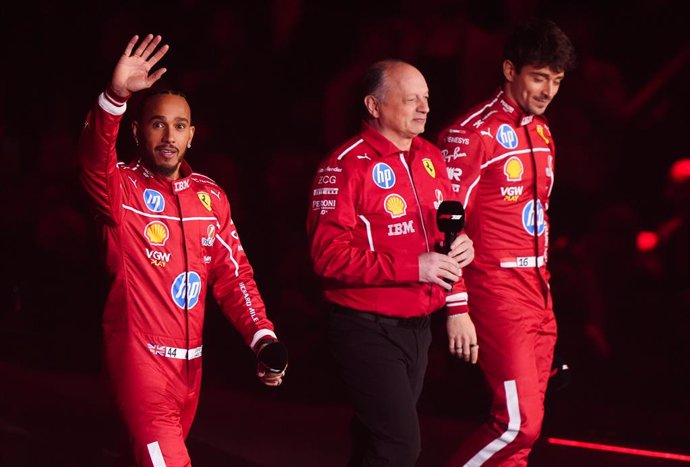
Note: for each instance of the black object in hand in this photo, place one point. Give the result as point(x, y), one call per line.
point(560, 374)
point(450, 218)
point(273, 357)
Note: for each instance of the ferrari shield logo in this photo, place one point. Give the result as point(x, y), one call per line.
point(540, 130)
point(205, 199)
point(429, 166)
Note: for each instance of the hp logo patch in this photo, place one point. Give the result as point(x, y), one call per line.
point(528, 218)
point(507, 137)
point(186, 288)
point(383, 175)
point(154, 200)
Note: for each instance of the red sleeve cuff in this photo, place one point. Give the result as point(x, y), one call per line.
point(457, 310)
point(115, 99)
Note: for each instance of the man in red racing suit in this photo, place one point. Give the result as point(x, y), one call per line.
point(500, 158)
point(373, 211)
point(373, 232)
point(169, 236)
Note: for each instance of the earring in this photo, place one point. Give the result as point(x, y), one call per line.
point(189, 145)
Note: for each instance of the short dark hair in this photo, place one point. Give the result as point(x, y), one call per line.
point(157, 92)
point(540, 42)
point(374, 79)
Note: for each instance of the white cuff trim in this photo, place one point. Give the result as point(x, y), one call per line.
point(109, 107)
point(262, 333)
point(458, 297)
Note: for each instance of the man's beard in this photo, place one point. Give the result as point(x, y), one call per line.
point(165, 170)
point(161, 169)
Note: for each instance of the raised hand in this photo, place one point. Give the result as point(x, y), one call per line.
point(131, 73)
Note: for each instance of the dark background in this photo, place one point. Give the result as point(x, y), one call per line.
point(271, 84)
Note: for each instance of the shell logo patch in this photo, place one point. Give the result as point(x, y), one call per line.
point(513, 169)
point(429, 166)
point(156, 233)
point(395, 205)
point(540, 131)
point(205, 199)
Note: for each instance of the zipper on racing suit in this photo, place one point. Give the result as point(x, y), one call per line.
point(186, 279)
point(419, 210)
point(535, 200)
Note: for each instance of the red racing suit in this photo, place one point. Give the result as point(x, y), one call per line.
point(372, 213)
point(166, 242)
point(500, 162)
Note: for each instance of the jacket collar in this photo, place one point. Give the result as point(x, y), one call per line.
point(382, 145)
point(510, 108)
point(176, 186)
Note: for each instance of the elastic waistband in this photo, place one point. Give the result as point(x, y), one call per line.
point(172, 352)
point(417, 322)
point(522, 262)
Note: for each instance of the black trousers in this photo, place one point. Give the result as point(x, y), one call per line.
point(382, 362)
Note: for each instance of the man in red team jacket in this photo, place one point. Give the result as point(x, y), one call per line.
point(500, 158)
point(169, 235)
point(372, 226)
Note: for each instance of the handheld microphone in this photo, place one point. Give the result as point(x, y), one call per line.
point(273, 357)
point(450, 218)
point(560, 376)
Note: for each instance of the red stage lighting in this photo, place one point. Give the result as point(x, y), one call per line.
point(619, 449)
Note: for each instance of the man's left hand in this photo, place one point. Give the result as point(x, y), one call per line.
point(272, 363)
point(269, 378)
point(462, 250)
point(462, 337)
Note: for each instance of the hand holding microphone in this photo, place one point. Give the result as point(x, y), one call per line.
point(443, 266)
point(271, 361)
point(450, 219)
point(462, 250)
